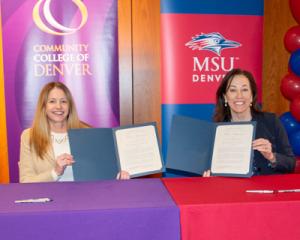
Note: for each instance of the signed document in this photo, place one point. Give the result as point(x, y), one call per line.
point(196, 145)
point(100, 153)
point(232, 151)
point(138, 150)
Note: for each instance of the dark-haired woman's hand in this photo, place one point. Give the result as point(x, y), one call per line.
point(206, 173)
point(265, 148)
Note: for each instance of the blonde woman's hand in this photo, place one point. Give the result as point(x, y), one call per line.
point(265, 148)
point(123, 175)
point(61, 162)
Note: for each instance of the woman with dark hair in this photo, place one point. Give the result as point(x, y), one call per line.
point(45, 151)
point(236, 100)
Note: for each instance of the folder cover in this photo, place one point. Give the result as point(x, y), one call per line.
point(93, 150)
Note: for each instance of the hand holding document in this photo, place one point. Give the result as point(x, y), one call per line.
point(196, 146)
point(101, 153)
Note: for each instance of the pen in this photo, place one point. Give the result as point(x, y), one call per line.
point(34, 200)
point(288, 190)
point(260, 191)
point(274, 191)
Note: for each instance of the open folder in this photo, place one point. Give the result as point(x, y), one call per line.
point(224, 148)
point(100, 153)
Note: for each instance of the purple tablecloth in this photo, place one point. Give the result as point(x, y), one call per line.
point(135, 209)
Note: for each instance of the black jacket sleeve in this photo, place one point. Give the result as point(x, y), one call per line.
point(270, 127)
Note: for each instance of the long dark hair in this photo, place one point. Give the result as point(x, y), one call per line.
point(222, 113)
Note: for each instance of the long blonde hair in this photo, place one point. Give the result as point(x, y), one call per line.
point(40, 139)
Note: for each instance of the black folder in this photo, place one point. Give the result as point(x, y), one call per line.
point(191, 146)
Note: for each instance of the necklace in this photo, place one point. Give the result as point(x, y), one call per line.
point(59, 140)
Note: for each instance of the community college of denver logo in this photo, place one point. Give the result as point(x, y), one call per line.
point(50, 25)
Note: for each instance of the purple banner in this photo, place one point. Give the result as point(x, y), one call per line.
point(71, 41)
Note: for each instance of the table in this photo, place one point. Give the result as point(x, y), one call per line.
point(135, 209)
point(219, 207)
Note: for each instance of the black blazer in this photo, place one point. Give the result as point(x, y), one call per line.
point(268, 126)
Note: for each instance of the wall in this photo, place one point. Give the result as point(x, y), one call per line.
point(139, 36)
point(278, 19)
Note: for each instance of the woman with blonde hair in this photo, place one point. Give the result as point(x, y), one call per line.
point(45, 151)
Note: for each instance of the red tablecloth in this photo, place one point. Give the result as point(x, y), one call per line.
point(219, 208)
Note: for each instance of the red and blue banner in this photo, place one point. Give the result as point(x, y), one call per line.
point(201, 41)
point(70, 41)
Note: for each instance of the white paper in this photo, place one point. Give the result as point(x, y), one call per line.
point(138, 150)
point(232, 149)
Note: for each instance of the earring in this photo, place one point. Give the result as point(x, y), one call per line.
point(225, 104)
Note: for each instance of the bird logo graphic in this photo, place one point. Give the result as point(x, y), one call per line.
point(213, 42)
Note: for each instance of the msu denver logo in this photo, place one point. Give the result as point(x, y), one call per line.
point(213, 42)
point(49, 23)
